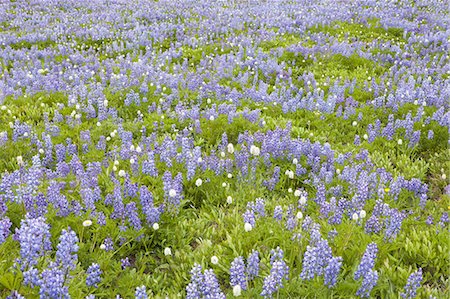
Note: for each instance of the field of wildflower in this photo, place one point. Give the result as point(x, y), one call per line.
point(222, 149)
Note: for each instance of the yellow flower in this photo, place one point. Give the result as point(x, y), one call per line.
point(387, 189)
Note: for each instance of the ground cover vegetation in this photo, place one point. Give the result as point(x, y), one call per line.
point(221, 149)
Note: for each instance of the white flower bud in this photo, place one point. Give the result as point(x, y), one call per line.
point(302, 200)
point(167, 251)
point(237, 290)
point(87, 223)
point(214, 260)
point(198, 182)
point(230, 148)
point(290, 174)
point(362, 214)
point(254, 150)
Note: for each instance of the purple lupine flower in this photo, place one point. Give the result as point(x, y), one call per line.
point(444, 219)
point(249, 217)
point(194, 289)
point(413, 283)
point(307, 222)
point(211, 286)
point(52, 283)
point(423, 200)
point(258, 207)
point(85, 136)
point(34, 239)
point(101, 144)
point(3, 138)
point(87, 195)
point(125, 263)
point(278, 213)
point(93, 275)
point(152, 213)
point(429, 220)
point(134, 165)
point(66, 253)
point(58, 200)
point(15, 295)
point(253, 265)
point(5, 225)
point(133, 215)
point(269, 286)
point(101, 218)
point(279, 271)
point(109, 244)
point(332, 271)
point(131, 190)
point(31, 277)
point(173, 189)
point(60, 151)
point(314, 233)
point(373, 225)
point(291, 223)
point(315, 260)
point(388, 131)
point(367, 261)
point(394, 224)
point(415, 138)
point(276, 254)
point(369, 281)
point(149, 166)
point(332, 234)
point(141, 293)
point(272, 182)
point(237, 273)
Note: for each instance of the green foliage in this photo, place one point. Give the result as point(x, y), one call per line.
point(205, 224)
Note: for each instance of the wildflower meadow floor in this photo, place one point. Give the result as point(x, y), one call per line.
point(221, 149)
